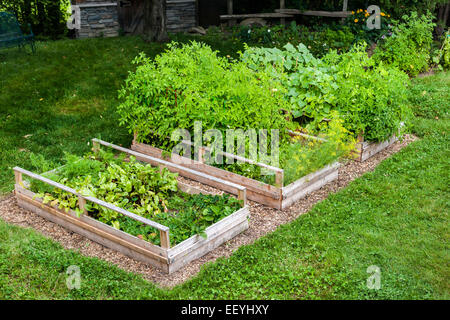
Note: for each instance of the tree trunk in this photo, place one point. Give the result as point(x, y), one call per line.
point(442, 19)
point(155, 20)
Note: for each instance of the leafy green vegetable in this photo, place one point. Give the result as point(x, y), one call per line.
point(141, 189)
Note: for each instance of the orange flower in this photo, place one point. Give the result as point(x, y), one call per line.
point(382, 14)
point(356, 20)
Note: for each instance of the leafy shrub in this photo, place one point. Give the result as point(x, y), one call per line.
point(371, 98)
point(191, 83)
point(144, 190)
point(340, 39)
point(319, 41)
point(46, 17)
point(357, 23)
point(397, 8)
point(410, 44)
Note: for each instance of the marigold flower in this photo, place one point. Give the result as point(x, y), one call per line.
point(356, 20)
point(382, 14)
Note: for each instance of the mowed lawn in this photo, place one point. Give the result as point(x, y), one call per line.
point(395, 218)
point(65, 95)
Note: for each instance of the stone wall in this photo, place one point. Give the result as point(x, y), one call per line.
point(181, 15)
point(98, 19)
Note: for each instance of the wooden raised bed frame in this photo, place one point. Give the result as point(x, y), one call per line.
point(168, 258)
point(278, 196)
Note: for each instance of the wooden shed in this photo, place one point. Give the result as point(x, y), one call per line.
point(181, 15)
point(109, 17)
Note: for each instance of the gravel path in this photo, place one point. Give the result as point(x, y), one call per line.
point(263, 220)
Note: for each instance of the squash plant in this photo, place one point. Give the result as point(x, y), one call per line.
point(370, 97)
point(309, 86)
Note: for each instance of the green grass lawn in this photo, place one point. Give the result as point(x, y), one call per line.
point(395, 217)
point(66, 94)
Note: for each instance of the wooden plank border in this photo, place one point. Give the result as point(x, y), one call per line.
point(367, 149)
point(164, 257)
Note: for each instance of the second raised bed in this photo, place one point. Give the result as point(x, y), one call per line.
point(275, 196)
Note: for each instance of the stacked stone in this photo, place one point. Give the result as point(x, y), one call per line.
point(181, 15)
point(98, 19)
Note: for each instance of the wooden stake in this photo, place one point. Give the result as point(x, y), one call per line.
point(82, 204)
point(344, 8)
point(95, 146)
point(165, 239)
point(242, 195)
point(279, 177)
point(18, 176)
point(201, 154)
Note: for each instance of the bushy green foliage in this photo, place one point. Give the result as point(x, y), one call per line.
point(318, 39)
point(409, 46)
point(141, 189)
point(339, 38)
point(46, 17)
point(309, 85)
point(305, 155)
point(263, 90)
point(192, 83)
point(397, 8)
point(357, 23)
point(371, 97)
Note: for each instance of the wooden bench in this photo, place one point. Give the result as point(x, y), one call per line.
point(11, 34)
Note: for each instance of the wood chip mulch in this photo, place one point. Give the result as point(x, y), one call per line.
point(263, 220)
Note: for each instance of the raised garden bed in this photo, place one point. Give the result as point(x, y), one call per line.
point(164, 255)
point(276, 196)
